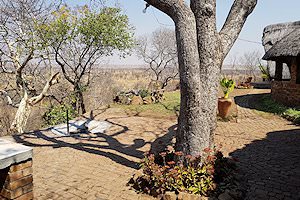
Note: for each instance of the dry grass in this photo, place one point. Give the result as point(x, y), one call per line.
point(105, 84)
point(169, 107)
point(6, 118)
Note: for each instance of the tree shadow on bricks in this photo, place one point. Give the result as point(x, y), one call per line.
point(91, 148)
point(251, 101)
point(271, 167)
point(95, 143)
point(161, 143)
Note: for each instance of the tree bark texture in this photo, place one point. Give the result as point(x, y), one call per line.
point(26, 104)
point(79, 105)
point(201, 51)
point(22, 115)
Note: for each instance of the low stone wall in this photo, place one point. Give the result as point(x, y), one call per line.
point(16, 181)
point(286, 92)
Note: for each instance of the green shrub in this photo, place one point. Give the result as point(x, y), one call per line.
point(173, 171)
point(144, 93)
point(58, 114)
point(292, 114)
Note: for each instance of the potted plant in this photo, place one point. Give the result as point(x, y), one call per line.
point(224, 103)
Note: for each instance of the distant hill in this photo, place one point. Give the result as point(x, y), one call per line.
point(227, 69)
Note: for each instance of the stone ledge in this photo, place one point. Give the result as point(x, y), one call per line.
point(11, 153)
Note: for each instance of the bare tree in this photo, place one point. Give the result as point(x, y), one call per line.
point(233, 63)
point(250, 61)
point(20, 49)
point(201, 51)
point(160, 52)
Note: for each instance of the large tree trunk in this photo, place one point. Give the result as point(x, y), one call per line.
point(201, 50)
point(199, 63)
point(22, 115)
point(79, 105)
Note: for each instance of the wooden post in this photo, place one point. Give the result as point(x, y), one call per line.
point(278, 71)
point(68, 129)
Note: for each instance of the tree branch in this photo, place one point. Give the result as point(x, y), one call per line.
point(86, 63)
point(234, 23)
point(169, 7)
point(63, 68)
point(28, 58)
point(53, 80)
point(169, 78)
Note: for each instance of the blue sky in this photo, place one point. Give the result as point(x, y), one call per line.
point(266, 12)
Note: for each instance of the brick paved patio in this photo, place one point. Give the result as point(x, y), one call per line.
point(268, 150)
point(97, 166)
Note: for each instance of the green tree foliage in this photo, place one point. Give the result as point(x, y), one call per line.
point(80, 37)
point(26, 73)
point(58, 114)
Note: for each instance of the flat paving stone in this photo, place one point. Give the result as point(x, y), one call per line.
point(11, 153)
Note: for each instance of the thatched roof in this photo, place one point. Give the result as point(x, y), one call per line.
point(282, 26)
point(288, 46)
point(275, 32)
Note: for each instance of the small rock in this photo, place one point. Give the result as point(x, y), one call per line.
point(147, 100)
point(169, 196)
point(122, 99)
point(137, 100)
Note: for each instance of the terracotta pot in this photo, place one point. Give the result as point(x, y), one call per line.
point(224, 106)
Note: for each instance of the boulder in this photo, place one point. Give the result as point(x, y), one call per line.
point(123, 99)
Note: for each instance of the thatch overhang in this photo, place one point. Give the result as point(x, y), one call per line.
point(288, 46)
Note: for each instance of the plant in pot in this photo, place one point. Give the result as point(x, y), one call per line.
point(224, 103)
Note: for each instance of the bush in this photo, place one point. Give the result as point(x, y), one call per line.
point(144, 93)
point(58, 114)
point(172, 171)
point(292, 114)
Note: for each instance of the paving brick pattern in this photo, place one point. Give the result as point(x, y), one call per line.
point(97, 166)
point(268, 150)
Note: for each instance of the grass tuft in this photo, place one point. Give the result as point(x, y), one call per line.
point(269, 105)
